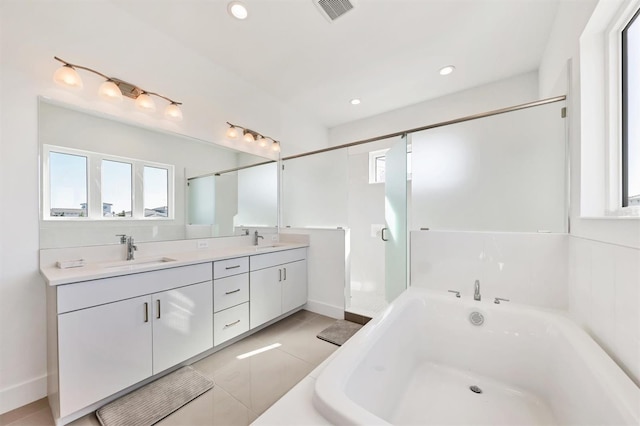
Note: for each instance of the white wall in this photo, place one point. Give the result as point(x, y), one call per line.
point(511, 91)
point(327, 262)
point(527, 268)
point(604, 280)
point(31, 33)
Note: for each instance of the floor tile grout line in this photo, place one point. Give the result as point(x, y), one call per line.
point(236, 399)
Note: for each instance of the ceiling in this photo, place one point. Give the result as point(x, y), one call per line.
point(385, 52)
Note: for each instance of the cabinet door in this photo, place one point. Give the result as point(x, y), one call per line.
point(182, 324)
point(294, 285)
point(103, 350)
point(265, 295)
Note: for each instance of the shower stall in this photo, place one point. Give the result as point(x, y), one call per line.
point(500, 171)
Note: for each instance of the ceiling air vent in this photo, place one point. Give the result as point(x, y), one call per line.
point(333, 9)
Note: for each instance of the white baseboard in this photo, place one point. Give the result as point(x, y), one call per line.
point(23, 393)
point(332, 311)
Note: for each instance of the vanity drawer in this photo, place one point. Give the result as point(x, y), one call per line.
point(230, 323)
point(268, 260)
point(230, 291)
point(226, 268)
point(85, 294)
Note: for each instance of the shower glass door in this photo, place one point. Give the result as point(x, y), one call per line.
point(395, 208)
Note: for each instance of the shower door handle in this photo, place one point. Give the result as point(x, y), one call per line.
point(382, 234)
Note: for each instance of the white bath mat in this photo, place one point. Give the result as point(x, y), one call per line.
point(155, 401)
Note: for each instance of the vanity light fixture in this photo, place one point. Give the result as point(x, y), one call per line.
point(238, 10)
point(248, 135)
point(447, 70)
point(113, 89)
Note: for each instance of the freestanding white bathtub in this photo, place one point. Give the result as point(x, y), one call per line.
point(415, 364)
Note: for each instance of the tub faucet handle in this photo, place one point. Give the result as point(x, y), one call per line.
point(498, 299)
point(456, 292)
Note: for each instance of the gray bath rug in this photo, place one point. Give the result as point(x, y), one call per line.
point(339, 332)
point(155, 401)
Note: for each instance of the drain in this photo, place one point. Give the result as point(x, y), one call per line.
point(476, 318)
point(475, 389)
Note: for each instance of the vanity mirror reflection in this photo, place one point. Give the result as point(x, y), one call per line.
point(101, 177)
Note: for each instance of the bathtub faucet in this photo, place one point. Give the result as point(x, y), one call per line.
point(476, 292)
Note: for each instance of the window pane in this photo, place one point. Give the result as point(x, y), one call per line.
point(68, 185)
point(631, 112)
point(116, 189)
point(380, 168)
point(156, 192)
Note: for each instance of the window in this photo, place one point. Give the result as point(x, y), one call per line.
point(68, 180)
point(116, 189)
point(377, 165)
point(156, 190)
point(85, 185)
point(630, 112)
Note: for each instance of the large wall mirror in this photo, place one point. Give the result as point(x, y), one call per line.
point(101, 177)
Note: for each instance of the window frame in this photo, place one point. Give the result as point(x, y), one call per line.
point(616, 163)
point(94, 185)
point(624, 119)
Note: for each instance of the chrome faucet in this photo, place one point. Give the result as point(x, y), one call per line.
point(476, 292)
point(255, 238)
point(131, 247)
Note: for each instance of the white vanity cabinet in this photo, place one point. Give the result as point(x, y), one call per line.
point(181, 324)
point(102, 350)
point(278, 284)
point(115, 332)
point(230, 298)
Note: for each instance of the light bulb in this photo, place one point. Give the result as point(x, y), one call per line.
point(248, 137)
point(67, 76)
point(173, 112)
point(238, 10)
point(110, 91)
point(232, 133)
point(275, 146)
point(447, 70)
point(145, 103)
point(262, 142)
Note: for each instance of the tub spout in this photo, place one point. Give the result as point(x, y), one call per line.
point(476, 292)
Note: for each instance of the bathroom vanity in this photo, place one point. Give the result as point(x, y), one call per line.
point(114, 326)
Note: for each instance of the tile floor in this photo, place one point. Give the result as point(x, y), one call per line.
point(244, 388)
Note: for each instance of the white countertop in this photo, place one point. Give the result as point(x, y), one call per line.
point(91, 271)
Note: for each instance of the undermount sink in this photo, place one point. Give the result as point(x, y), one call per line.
point(269, 246)
point(138, 262)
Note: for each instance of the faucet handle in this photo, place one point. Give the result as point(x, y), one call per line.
point(123, 238)
point(456, 292)
point(498, 299)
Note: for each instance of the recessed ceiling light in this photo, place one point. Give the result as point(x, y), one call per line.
point(355, 101)
point(238, 10)
point(447, 70)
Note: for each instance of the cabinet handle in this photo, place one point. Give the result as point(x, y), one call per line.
point(146, 312)
point(285, 274)
point(233, 291)
point(158, 306)
point(280, 274)
point(231, 324)
point(232, 267)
